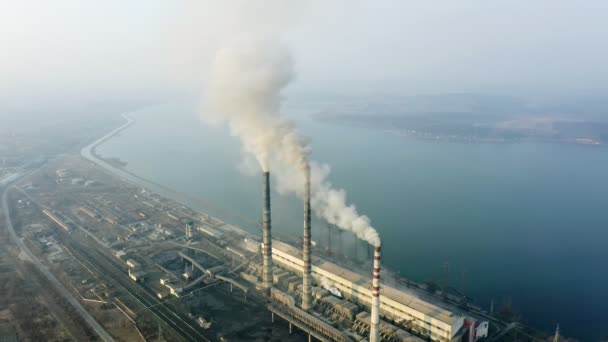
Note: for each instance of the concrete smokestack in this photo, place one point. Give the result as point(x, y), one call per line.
point(375, 316)
point(267, 238)
point(306, 277)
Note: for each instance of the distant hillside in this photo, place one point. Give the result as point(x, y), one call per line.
point(469, 117)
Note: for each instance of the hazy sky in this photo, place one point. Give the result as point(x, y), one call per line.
point(60, 46)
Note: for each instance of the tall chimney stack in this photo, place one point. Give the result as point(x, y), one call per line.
point(306, 277)
point(267, 238)
point(375, 316)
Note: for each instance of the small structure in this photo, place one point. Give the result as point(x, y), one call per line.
point(136, 275)
point(54, 217)
point(175, 291)
point(89, 212)
point(112, 220)
point(90, 182)
point(189, 231)
point(132, 263)
point(210, 231)
point(203, 323)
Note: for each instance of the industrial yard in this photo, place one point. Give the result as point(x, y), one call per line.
point(149, 268)
point(122, 258)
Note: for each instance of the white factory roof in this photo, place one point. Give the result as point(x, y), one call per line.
point(211, 231)
point(132, 263)
point(400, 295)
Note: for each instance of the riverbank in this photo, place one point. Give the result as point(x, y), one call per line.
point(117, 168)
point(89, 151)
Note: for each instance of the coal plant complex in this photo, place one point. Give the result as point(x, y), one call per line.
point(149, 267)
point(297, 170)
point(153, 268)
point(353, 307)
point(141, 257)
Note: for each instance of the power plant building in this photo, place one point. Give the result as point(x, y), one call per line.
point(402, 306)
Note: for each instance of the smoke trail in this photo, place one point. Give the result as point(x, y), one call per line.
point(329, 203)
point(245, 88)
point(329, 286)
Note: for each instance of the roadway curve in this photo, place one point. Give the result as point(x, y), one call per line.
point(103, 334)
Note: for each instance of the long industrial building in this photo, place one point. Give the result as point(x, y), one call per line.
point(436, 320)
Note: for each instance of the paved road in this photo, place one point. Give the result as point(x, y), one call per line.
point(103, 334)
point(9, 178)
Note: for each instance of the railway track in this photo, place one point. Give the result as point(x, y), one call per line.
point(107, 268)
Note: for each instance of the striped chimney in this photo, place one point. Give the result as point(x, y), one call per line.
point(266, 238)
point(375, 316)
point(306, 277)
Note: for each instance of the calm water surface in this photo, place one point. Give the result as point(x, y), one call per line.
point(525, 223)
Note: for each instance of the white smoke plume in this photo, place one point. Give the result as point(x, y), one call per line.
point(245, 90)
point(329, 286)
point(247, 78)
point(329, 203)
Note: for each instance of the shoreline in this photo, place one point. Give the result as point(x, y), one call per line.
point(93, 146)
point(89, 153)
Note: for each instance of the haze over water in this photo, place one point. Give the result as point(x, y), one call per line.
point(520, 222)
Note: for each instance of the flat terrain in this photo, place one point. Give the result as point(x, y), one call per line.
point(99, 217)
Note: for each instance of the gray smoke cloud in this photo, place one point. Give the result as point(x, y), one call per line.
point(247, 79)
